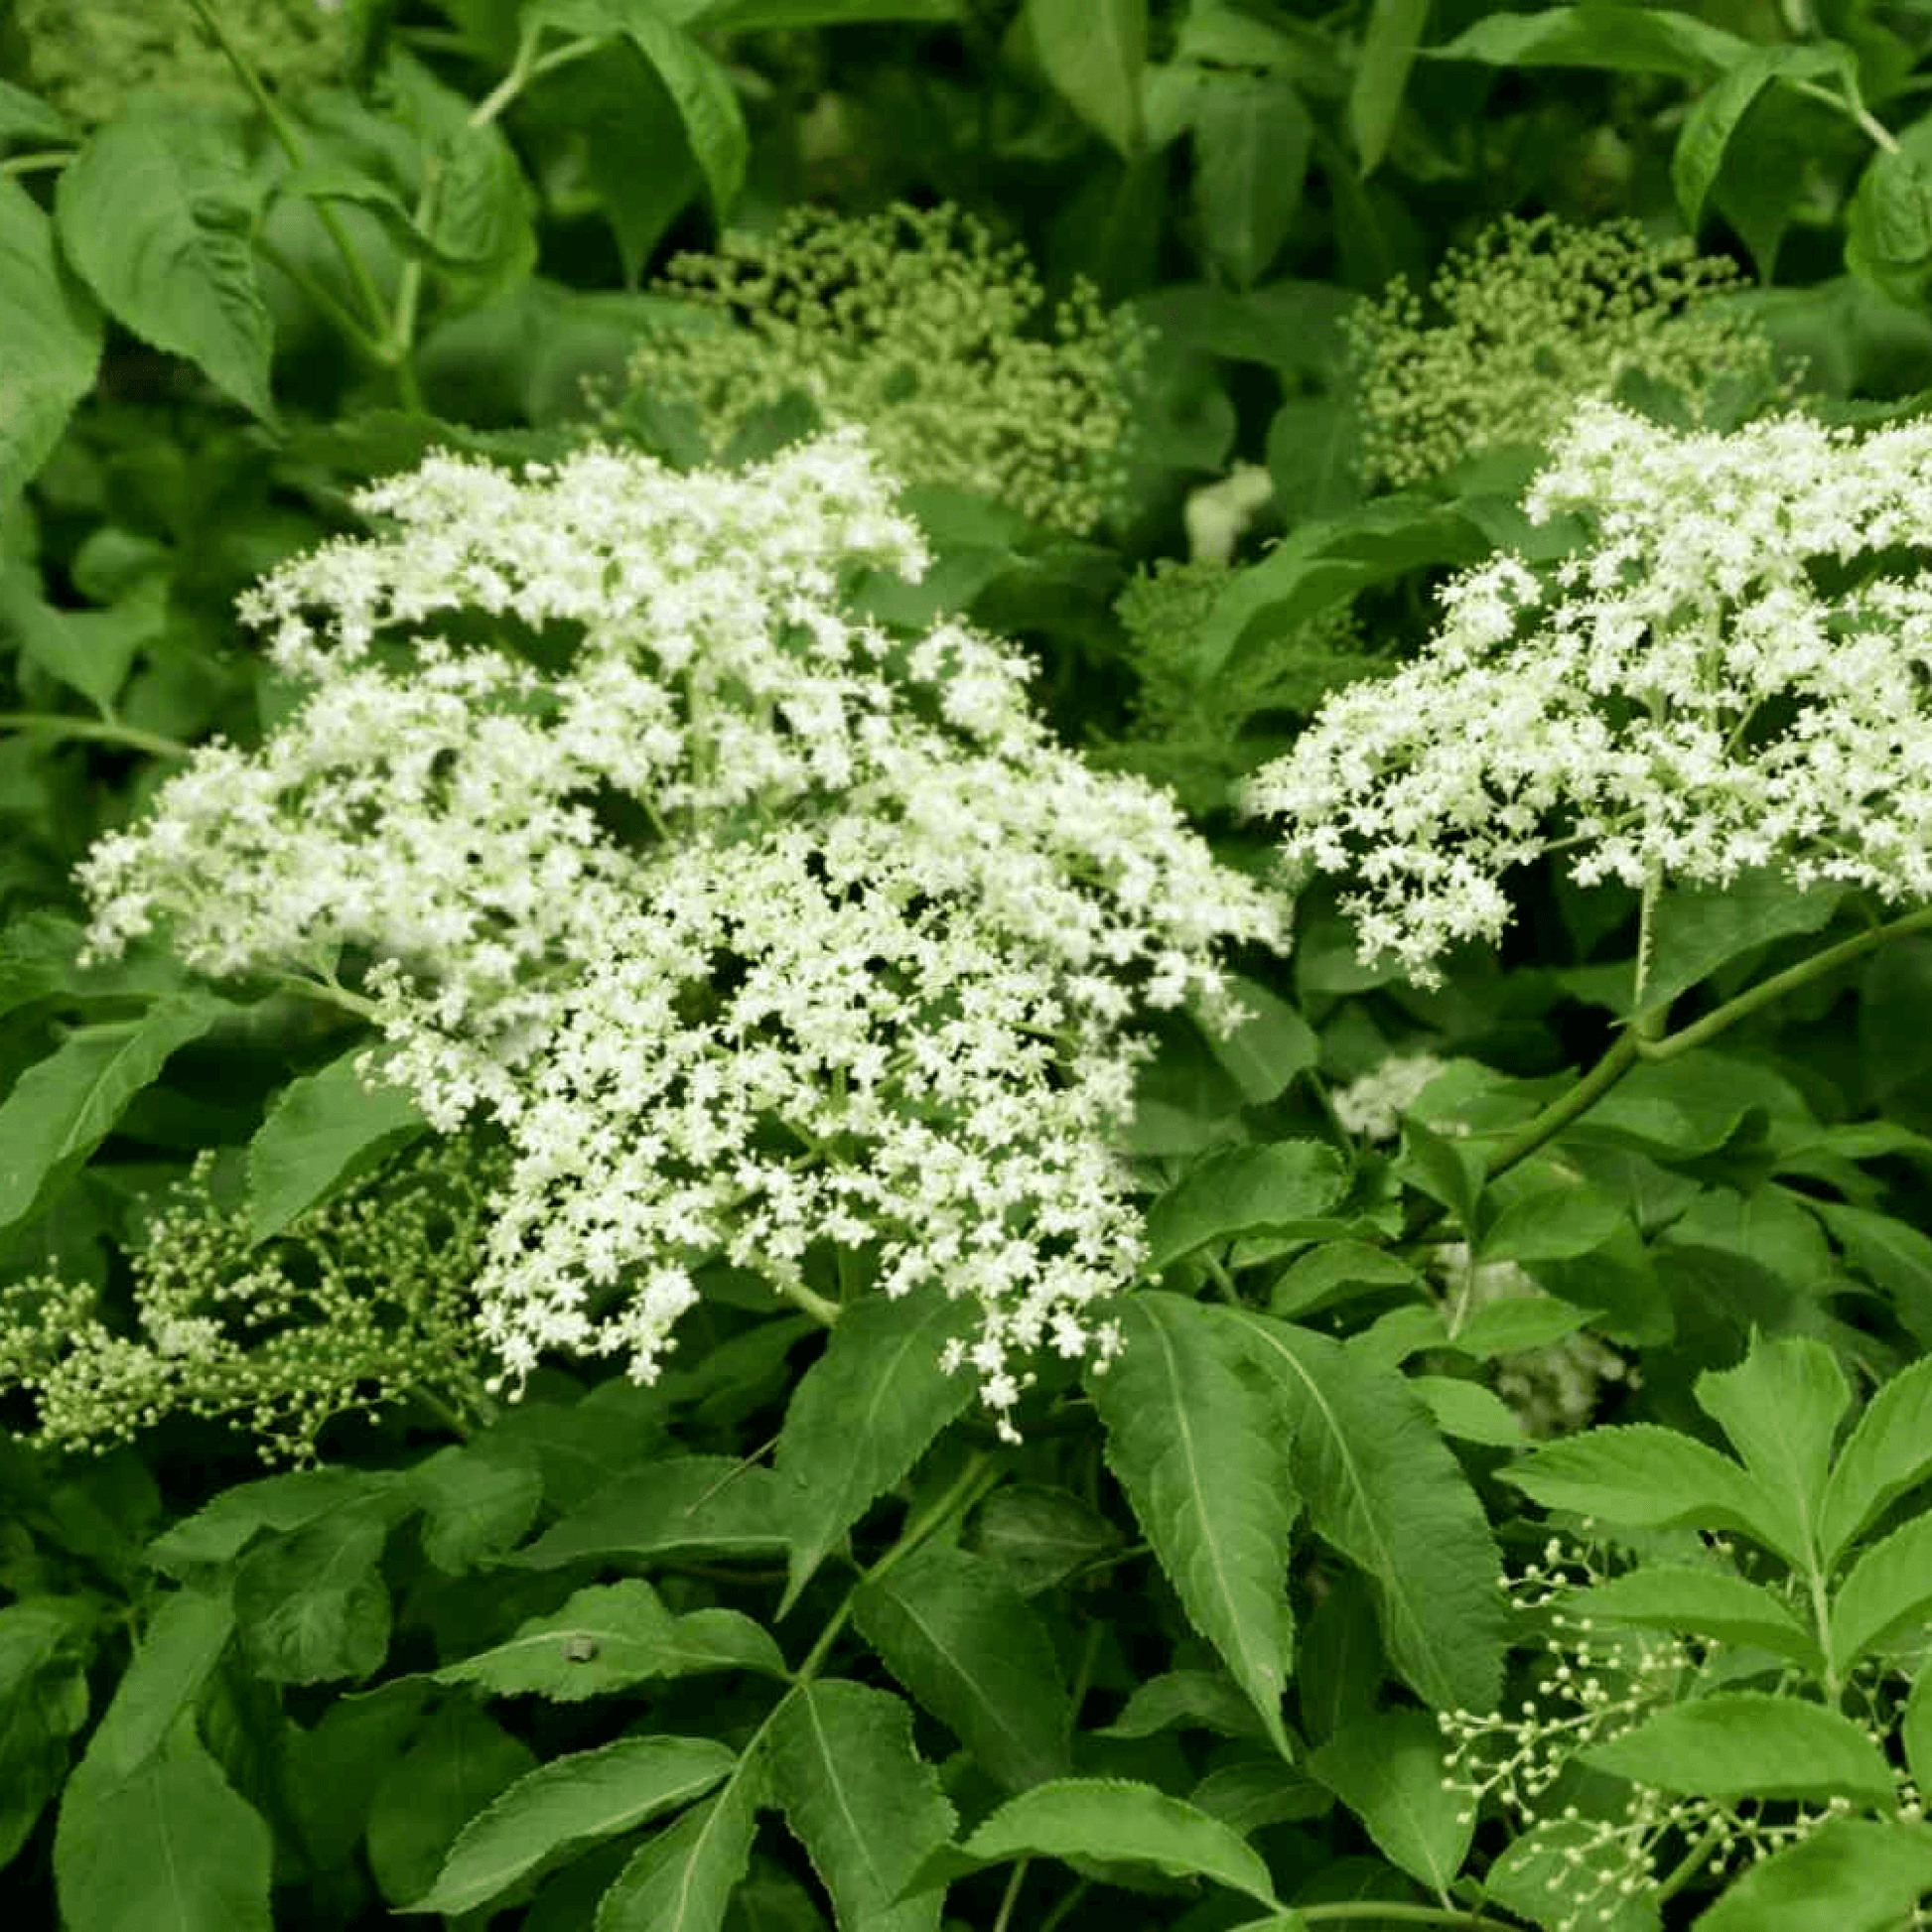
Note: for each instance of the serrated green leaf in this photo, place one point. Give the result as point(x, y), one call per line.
point(26, 117)
point(1388, 45)
point(1517, 1324)
point(1388, 1769)
point(1736, 1743)
point(1886, 1592)
point(743, 14)
point(1781, 1407)
point(154, 212)
point(1199, 1454)
point(1252, 138)
point(1122, 1821)
point(220, 1529)
point(685, 1505)
point(683, 1879)
point(61, 1109)
point(1699, 928)
point(1247, 1793)
point(1564, 1858)
point(324, 1128)
point(860, 1799)
point(1204, 1699)
point(168, 1847)
point(1852, 1875)
point(1699, 1602)
point(51, 347)
point(1334, 1271)
point(1558, 1224)
point(477, 1499)
point(1270, 1046)
point(1916, 1730)
point(1470, 1412)
point(312, 1604)
point(1241, 1190)
point(1624, 39)
point(1716, 114)
point(479, 213)
point(1038, 1536)
point(1888, 1452)
point(1889, 227)
point(1643, 1476)
point(89, 651)
point(176, 1656)
point(1893, 1253)
point(1384, 1489)
point(1093, 52)
point(463, 1760)
point(699, 87)
point(861, 1415)
point(967, 1646)
point(1318, 565)
point(607, 1636)
point(1446, 1168)
point(569, 1803)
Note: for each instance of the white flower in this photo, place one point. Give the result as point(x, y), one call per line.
point(746, 942)
point(1704, 687)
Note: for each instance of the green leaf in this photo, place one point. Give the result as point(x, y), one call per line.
point(860, 1799)
point(1893, 1253)
point(1639, 1475)
point(1565, 1859)
point(1626, 39)
point(1470, 1412)
point(461, 1761)
point(743, 14)
point(222, 1528)
point(1123, 1823)
point(1093, 52)
point(567, 1804)
point(861, 1415)
point(1335, 1270)
point(1446, 1168)
point(1206, 1698)
point(1196, 1449)
point(1269, 1047)
point(89, 651)
point(61, 1109)
point(1886, 1592)
point(1241, 1190)
point(51, 347)
point(175, 1658)
point(1716, 114)
point(312, 1604)
point(325, 1129)
point(27, 119)
point(965, 1643)
point(1738, 1743)
point(699, 87)
point(1518, 1323)
point(479, 213)
point(1889, 227)
point(1699, 928)
point(606, 1637)
point(685, 1505)
point(1389, 47)
point(1916, 1730)
point(155, 213)
point(1781, 1407)
point(1252, 137)
point(168, 1847)
point(1039, 1536)
point(1699, 1602)
point(1388, 1769)
point(1384, 1489)
point(477, 1499)
point(683, 1879)
point(1852, 1875)
point(1319, 564)
point(1888, 1451)
point(1558, 1224)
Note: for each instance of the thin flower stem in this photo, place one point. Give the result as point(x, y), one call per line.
point(1052, 1919)
point(1689, 1865)
point(103, 731)
point(36, 163)
point(824, 1311)
point(1011, 1896)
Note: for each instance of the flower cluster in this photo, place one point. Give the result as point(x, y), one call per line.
point(361, 1302)
point(1373, 1104)
point(1536, 315)
point(764, 938)
point(912, 325)
point(1728, 672)
point(91, 60)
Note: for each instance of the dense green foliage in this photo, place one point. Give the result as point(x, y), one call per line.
point(1493, 1488)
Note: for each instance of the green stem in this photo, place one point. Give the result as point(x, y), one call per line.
point(1223, 1281)
point(1689, 1865)
point(1011, 1896)
point(1050, 1923)
point(102, 731)
point(1557, 1115)
point(815, 1304)
point(36, 163)
point(328, 993)
point(289, 141)
point(1402, 1914)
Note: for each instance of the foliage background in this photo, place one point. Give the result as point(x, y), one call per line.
point(789, 1639)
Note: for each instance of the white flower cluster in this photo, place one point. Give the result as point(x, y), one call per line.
point(763, 937)
point(1728, 672)
point(1373, 1104)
